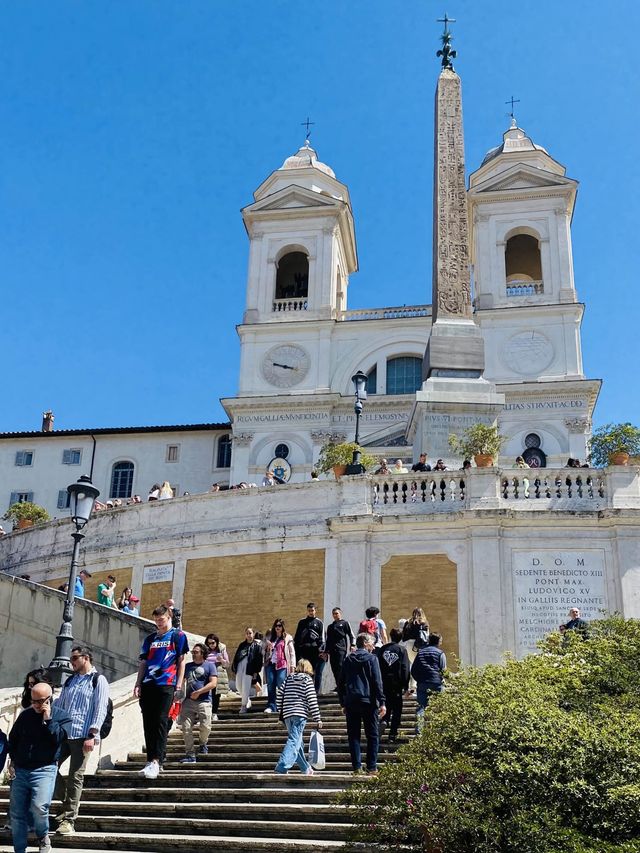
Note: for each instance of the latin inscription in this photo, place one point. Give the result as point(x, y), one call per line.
point(546, 584)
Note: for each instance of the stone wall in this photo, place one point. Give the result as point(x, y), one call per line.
point(30, 618)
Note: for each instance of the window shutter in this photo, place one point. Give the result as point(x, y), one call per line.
point(30, 497)
point(66, 459)
point(62, 498)
point(13, 499)
point(20, 457)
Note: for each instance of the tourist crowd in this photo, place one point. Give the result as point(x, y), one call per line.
point(373, 670)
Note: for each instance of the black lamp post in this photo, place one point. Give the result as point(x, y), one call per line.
point(82, 496)
point(359, 383)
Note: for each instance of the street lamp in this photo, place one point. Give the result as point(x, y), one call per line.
point(359, 383)
point(82, 496)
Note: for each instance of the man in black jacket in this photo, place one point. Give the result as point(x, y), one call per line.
point(338, 643)
point(35, 743)
point(308, 641)
point(362, 698)
point(394, 667)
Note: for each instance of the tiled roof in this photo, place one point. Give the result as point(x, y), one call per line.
point(117, 430)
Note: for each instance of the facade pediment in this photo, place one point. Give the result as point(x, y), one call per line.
point(294, 197)
point(523, 177)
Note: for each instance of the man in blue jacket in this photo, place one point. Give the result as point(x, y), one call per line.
point(362, 700)
point(35, 744)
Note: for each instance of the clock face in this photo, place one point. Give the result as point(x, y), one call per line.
point(285, 365)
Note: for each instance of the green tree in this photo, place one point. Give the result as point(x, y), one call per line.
point(533, 756)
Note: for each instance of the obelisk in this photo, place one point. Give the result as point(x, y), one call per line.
point(454, 394)
point(455, 347)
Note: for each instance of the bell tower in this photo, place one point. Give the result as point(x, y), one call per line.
point(302, 243)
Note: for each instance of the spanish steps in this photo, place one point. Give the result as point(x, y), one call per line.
point(230, 800)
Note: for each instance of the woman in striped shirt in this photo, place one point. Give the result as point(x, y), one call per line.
point(297, 701)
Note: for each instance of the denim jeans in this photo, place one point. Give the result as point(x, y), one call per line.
point(293, 752)
point(423, 694)
point(275, 678)
point(317, 674)
point(31, 793)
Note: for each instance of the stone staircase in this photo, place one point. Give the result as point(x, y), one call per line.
point(230, 800)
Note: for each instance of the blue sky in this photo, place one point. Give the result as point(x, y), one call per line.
point(131, 134)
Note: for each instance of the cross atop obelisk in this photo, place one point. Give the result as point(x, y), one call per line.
point(451, 353)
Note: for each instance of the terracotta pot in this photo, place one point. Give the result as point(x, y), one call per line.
point(24, 522)
point(483, 460)
point(339, 471)
point(619, 458)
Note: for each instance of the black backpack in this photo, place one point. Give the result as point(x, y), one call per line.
point(105, 728)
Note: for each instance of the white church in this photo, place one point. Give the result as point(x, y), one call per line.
point(300, 343)
point(472, 548)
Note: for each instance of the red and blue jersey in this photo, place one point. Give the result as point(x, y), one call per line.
point(161, 653)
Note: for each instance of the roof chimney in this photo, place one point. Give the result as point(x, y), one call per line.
point(47, 421)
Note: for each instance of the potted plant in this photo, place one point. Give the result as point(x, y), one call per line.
point(613, 444)
point(335, 457)
point(481, 441)
point(26, 514)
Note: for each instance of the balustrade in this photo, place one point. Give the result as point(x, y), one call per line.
point(433, 490)
point(525, 288)
point(290, 305)
point(393, 313)
point(552, 485)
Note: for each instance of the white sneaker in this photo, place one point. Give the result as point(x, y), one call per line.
point(214, 718)
point(248, 704)
point(268, 711)
point(152, 770)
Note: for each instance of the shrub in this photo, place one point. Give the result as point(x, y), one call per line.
point(613, 438)
point(531, 756)
point(27, 511)
point(332, 454)
point(479, 439)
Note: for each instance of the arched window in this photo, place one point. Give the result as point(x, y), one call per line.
point(122, 480)
point(292, 277)
point(224, 452)
point(522, 259)
point(404, 375)
point(372, 381)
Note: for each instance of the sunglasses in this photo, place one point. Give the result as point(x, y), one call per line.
point(40, 701)
point(76, 657)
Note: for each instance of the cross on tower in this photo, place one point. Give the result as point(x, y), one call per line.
point(512, 101)
point(446, 20)
point(307, 124)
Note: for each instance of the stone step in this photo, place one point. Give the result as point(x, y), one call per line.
point(105, 842)
point(275, 827)
point(250, 749)
point(223, 780)
point(255, 809)
point(337, 763)
point(177, 794)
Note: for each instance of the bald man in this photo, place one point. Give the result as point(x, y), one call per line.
point(35, 743)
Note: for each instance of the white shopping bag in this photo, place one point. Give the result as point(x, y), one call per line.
point(316, 755)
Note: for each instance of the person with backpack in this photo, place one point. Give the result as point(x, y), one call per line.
point(375, 626)
point(85, 697)
point(394, 667)
point(362, 699)
point(160, 676)
point(428, 670)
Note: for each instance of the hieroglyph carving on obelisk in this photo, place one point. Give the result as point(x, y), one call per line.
point(451, 278)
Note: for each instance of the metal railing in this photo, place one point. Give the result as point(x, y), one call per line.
point(525, 288)
point(393, 313)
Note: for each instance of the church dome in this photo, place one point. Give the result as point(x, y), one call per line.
point(515, 139)
point(306, 157)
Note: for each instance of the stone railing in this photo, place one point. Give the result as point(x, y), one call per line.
point(549, 484)
point(298, 304)
point(560, 489)
point(431, 492)
point(397, 313)
point(525, 288)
